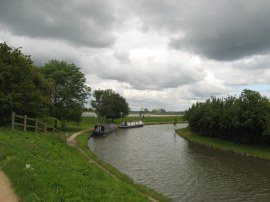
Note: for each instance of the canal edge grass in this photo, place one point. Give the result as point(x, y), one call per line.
point(258, 152)
point(81, 143)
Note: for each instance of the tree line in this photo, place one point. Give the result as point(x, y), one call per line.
point(244, 119)
point(56, 91)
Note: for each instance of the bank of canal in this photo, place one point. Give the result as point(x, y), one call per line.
point(158, 158)
point(258, 152)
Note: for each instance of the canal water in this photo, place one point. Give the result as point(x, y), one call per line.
point(157, 157)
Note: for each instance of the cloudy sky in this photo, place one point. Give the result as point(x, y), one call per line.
point(155, 53)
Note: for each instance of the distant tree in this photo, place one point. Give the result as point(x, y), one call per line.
point(22, 88)
point(69, 92)
point(145, 110)
point(109, 104)
point(161, 110)
point(158, 111)
point(90, 109)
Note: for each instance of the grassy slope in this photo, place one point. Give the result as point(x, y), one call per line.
point(86, 122)
point(253, 151)
point(56, 172)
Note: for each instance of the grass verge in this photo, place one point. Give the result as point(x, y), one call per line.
point(86, 122)
point(82, 143)
point(252, 151)
point(41, 167)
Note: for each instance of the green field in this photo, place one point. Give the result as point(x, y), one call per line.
point(252, 151)
point(86, 122)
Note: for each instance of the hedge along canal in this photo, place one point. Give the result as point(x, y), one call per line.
point(160, 159)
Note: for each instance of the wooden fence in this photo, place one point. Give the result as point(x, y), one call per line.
point(35, 124)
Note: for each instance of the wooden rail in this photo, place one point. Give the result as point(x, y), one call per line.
point(33, 123)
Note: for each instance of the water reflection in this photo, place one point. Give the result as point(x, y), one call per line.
point(156, 157)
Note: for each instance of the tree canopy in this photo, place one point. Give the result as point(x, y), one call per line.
point(69, 90)
point(109, 104)
point(22, 87)
point(245, 119)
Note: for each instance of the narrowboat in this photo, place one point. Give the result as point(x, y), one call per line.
point(131, 124)
point(104, 129)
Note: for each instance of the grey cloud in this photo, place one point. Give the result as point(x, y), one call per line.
point(41, 58)
point(253, 63)
point(219, 30)
point(154, 77)
point(204, 90)
point(83, 23)
point(122, 56)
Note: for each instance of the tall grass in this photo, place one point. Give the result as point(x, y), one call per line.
point(41, 167)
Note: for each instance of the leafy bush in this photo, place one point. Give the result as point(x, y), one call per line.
point(245, 119)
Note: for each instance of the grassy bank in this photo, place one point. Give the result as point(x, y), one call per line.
point(41, 167)
point(252, 151)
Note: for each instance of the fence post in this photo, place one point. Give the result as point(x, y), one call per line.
point(25, 123)
point(13, 121)
point(36, 125)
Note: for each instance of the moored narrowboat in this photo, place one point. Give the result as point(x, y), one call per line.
point(104, 129)
point(131, 124)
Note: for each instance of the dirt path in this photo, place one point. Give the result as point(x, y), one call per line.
point(72, 142)
point(7, 194)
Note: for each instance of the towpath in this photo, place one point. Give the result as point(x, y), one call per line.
point(7, 194)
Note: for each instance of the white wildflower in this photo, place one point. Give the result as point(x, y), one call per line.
point(28, 166)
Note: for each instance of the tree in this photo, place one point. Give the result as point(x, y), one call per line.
point(157, 111)
point(245, 119)
point(109, 104)
point(145, 110)
point(22, 88)
point(69, 90)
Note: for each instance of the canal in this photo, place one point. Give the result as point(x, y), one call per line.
point(157, 157)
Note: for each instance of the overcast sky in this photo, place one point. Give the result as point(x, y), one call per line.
point(155, 53)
